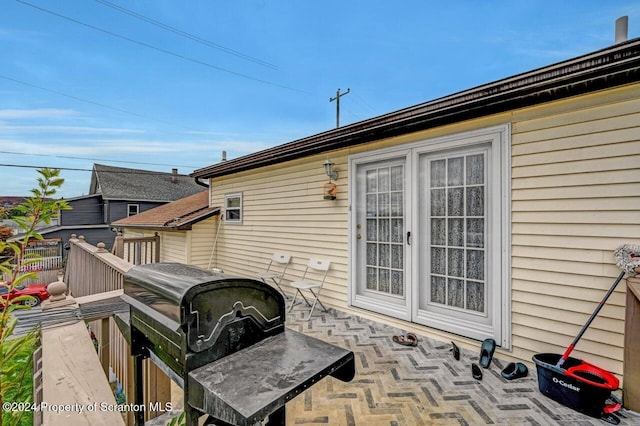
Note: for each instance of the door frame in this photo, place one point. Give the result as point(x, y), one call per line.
point(362, 301)
point(501, 156)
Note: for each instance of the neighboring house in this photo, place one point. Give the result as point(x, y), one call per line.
point(185, 228)
point(493, 212)
point(116, 193)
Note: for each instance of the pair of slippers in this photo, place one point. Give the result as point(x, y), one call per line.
point(408, 339)
point(513, 370)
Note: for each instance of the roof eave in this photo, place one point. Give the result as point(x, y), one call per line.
point(180, 226)
point(610, 67)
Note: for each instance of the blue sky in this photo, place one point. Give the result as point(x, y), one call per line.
point(157, 84)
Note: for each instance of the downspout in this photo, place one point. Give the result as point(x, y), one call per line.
point(206, 185)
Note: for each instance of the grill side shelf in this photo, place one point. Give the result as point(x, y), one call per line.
point(245, 387)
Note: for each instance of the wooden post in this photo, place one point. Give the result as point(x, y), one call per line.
point(118, 246)
point(156, 247)
point(129, 388)
point(104, 344)
point(631, 383)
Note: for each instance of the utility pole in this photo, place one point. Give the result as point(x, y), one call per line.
point(337, 99)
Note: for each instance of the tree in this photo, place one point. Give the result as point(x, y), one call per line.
point(39, 207)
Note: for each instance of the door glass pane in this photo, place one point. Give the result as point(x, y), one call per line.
point(397, 204)
point(385, 255)
point(397, 286)
point(372, 205)
point(455, 293)
point(475, 169)
point(396, 231)
point(372, 254)
point(455, 202)
point(456, 263)
point(383, 204)
point(438, 232)
point(372, 181)
point(397, 253)
point(383, 229)
point(384, 252)
point(397, 178)
point(383, 180)
point(383, 279)
point(372, 230)
point(456, 224)
point(438, 291)
point(438, 261)
point(475, 264)
point(456, 232)
point(475, 233)
point(438, 175)
point(475, 201)
point(372, 279)
point(455, 171)
point(475, 296)
point(438, 205)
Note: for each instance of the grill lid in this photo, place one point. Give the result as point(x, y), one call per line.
point(202, 303)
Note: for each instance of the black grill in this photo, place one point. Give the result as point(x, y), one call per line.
point(223, 339)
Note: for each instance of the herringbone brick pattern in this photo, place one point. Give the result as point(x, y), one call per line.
point(423, 385)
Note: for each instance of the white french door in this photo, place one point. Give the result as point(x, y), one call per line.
point(380, 237)
point(430, 233)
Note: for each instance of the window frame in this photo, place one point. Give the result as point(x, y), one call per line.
point(239, 209)
point(137, 206)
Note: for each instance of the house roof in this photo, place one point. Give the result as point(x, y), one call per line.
point(606, 68)
point(177, 215)
point(119, 183)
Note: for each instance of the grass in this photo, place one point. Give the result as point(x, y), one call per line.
point(17, 379)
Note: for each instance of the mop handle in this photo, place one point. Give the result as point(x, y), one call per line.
point(566, 353)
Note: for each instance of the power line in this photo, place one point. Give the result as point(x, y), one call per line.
point(94, 159)
point(88, 101)
point(186, 34)
point(76, 169)
point(159, 49)
point(23, 166)
point(372, 109)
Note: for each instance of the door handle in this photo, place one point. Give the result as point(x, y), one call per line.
point(409, 238)
point(359, 236)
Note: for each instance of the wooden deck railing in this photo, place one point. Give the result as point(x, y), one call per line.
point(138, 250)
point(91, 270)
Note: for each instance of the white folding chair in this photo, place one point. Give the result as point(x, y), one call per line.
point(317, 265)
point(276, 270)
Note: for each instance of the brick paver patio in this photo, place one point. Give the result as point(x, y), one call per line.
point(424, 385)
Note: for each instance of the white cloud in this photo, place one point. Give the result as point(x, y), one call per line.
point(103, 147)
point(19, 114)
point(65, 129)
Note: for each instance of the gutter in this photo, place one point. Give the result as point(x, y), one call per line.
point(607, 68)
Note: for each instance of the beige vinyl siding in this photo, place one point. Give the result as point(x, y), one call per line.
point(202, 237)
point(575, 198)
point(284, 211)
point(174, 246)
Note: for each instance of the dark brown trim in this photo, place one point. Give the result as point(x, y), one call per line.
point(607, 68)
point(183, 226)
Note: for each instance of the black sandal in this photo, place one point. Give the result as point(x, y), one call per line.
point(515, 370)
point(476, 372)
point(486, 352)
point(456, 351)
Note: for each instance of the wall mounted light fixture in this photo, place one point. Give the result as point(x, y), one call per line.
point(328, 168)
